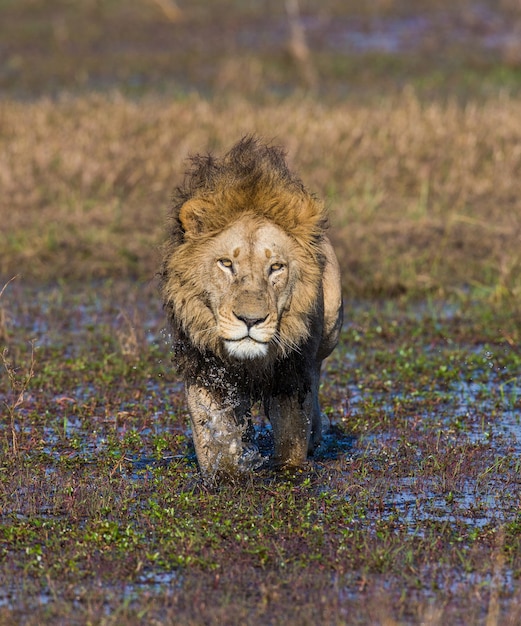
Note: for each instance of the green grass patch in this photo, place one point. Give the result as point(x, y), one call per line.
point(411, 505)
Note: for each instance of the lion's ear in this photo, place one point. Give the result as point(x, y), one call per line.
point(310, 212)
point(192, 216)
point(304, 213)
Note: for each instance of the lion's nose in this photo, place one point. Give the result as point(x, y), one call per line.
point(250, 321)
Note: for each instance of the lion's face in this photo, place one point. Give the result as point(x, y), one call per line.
point(251, 278)
point(246, 292)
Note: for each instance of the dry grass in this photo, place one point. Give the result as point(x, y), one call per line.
point(424, 196)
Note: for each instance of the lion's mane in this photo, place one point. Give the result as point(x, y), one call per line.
point(252, 178)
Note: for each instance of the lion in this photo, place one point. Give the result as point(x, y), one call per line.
point(251, 287)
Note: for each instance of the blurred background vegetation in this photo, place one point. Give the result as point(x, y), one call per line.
point(341, 48)
point(405, 116)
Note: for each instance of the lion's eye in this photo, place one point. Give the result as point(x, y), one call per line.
point(275, 267)
point(225, 263)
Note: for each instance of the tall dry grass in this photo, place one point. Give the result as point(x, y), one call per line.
point(424, 196)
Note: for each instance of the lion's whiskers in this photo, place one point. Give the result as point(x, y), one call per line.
point(208, 331)
point(286, 344)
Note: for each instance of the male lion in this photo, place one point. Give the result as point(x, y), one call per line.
point(251, 286)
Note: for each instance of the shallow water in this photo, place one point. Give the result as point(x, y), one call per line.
point(475, 25)
point(425, 437)
point(478, 25)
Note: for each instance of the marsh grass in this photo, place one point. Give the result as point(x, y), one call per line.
point(408, 515)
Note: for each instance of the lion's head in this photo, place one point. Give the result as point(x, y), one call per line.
point(243, 266)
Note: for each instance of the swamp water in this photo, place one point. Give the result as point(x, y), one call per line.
point(425, 407)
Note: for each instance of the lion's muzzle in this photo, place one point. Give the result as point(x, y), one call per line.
point(248, 335)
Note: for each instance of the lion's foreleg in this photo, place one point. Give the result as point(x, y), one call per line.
point(291, 422)
point(220, 432)
point(297, 426)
